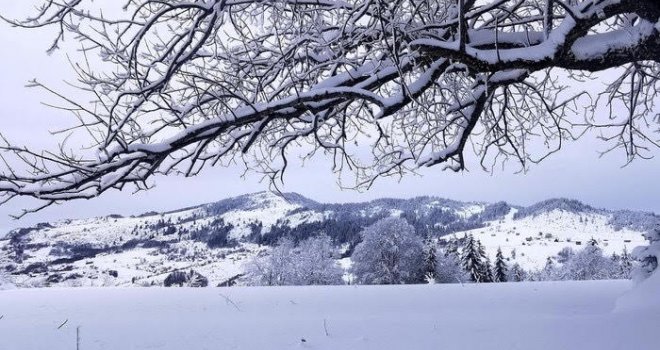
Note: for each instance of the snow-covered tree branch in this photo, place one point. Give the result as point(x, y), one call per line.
point(380, 87)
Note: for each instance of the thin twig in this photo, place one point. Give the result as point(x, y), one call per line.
point(229, 301)
point(63, 323)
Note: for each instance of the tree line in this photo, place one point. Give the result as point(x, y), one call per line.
point(390, 252)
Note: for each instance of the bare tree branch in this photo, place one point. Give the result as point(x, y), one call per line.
point(181, 85)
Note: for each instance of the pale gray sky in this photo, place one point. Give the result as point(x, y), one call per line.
point(576, 172)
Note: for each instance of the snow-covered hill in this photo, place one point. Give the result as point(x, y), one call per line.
point(217, 239)
point(530, 240)
point(498, 316)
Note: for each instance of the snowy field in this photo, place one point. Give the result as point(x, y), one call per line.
point(559, 315)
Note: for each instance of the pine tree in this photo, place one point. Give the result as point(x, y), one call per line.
point(487, 272)
point(430, 260)
point(451, 247)
point(471, 259)
point(500, 273)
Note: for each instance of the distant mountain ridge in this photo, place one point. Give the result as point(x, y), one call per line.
point(218, 238)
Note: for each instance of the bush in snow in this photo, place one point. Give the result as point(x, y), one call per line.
point(185, 279)
point(312, 262)
point(648, 256)
point(565, 254)
point(390, 253)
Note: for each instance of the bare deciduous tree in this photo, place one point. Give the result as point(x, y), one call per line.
point(381, 87)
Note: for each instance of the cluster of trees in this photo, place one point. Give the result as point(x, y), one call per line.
point(215, 235)
point(587, 264)
point(391, 252)
point(311, 262)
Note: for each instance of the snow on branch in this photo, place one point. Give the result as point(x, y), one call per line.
point(180, 85)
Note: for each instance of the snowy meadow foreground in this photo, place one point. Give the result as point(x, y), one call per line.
point(526, 315)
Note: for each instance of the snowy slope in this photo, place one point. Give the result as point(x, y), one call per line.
point(217, 239)
point(556, 315)
point(533, 239)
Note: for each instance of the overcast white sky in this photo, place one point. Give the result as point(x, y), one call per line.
point(576, 172)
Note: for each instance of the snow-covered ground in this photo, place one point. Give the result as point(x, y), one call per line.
point(557, 315)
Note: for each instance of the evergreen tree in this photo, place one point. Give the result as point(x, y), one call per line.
point(452, 247)
point(471, 259)
point(430, 260)
point(487, 271)
point(500, 273)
